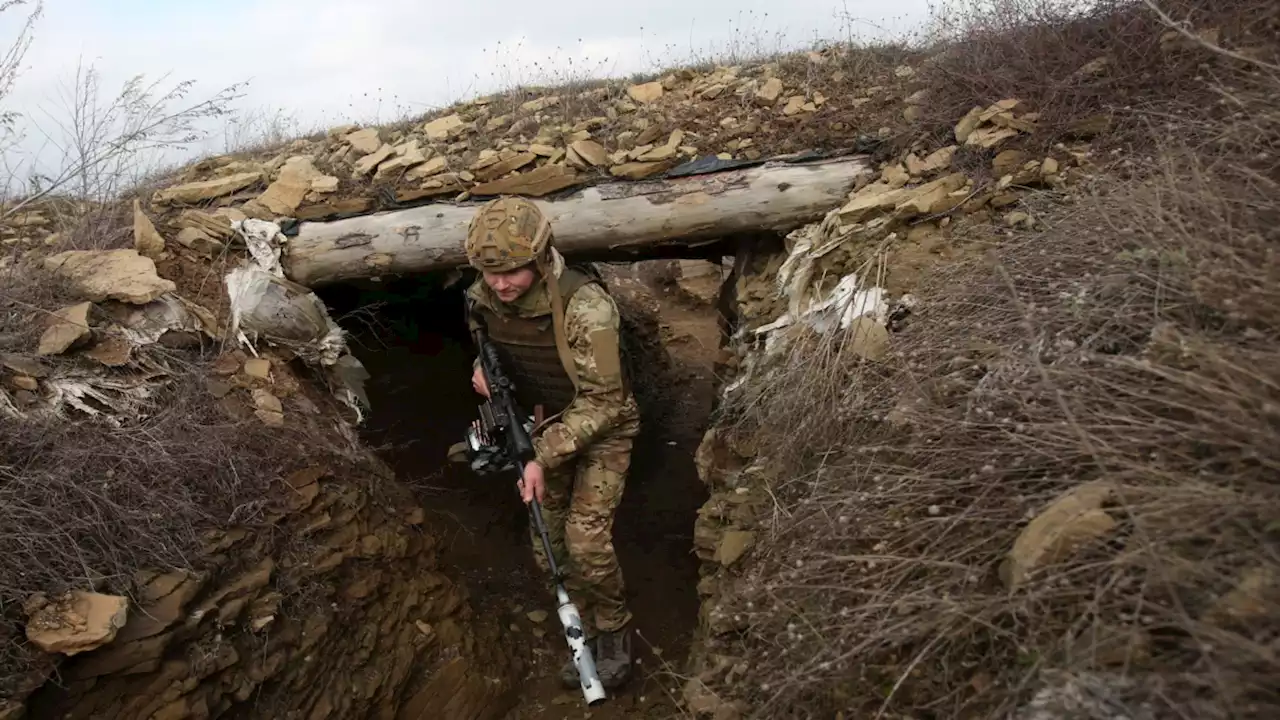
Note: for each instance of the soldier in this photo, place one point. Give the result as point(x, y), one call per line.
point(556, 330)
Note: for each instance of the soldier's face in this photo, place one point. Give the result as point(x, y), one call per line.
point(510, 285)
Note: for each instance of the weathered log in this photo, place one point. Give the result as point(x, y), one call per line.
point(618, 220)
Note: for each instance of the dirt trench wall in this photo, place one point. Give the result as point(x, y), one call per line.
point(347, 617)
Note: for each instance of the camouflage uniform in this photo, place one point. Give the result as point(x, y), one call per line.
point(591, 418)
point(586, 450)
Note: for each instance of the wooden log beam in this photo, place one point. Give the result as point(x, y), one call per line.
point(618, 220)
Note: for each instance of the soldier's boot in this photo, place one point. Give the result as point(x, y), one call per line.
point(613, 657)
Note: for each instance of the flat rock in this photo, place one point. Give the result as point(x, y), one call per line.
point(639, 170)
point(769, 92)
point(339, 206)
point(537, 105)
point(1072, 520)
point(199, 240)
point(497, 123)
point(264, 400)
point(535, 183)
point(989, 137)
point(146, 239)
point(259, 368)
point(76, 622)
point(203, 190)
point(368, 163)
point(69, 328)
point(112, 351)
point(932, 197)
point(229, 214)
point(99, 275)
point(24, 365)
point(406, 156)
point(645, 92)
point(160, 606)
point(215, 225)
point(504, 166)
point(795, 105)
point(733, 545)
point(284, 195)
point(895, 176)
point(868, 339)
point(968, 124)
point(590, 151)
point(434, 166)
point(936, 161)
point(1008, 162)
point(658, 154)
point(324, 184)
point(364, 141)
point(25, 382)
point(443, 128)
point(713, 91)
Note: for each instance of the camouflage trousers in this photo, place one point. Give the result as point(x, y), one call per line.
point(578, 509)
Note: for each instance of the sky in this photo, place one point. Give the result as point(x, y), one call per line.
point(319, 63)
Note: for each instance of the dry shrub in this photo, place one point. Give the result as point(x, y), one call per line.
point(1043, 52)
point(1134, 341)
point(28, 296)
point(86, 504)
point(100, 226)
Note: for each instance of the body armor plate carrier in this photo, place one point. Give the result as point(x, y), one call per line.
point(527, 349)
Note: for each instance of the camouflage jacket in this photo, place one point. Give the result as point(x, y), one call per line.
point(603, 407)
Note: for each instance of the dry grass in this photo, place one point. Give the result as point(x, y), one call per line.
point(1073, 60)
point(28, 297)
point(29, 294)
point(1132, 341)
point(85, 504)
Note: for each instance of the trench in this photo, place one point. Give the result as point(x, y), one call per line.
point(410, 335)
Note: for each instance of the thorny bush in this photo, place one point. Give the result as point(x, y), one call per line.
point(1132, 341)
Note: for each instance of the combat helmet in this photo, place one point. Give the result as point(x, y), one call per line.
point(507, 233)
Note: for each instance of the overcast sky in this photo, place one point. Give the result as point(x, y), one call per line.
point(324, 62)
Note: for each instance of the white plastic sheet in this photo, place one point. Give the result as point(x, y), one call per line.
point(268, 307)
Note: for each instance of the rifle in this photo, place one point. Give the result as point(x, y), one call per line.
point(498, 442)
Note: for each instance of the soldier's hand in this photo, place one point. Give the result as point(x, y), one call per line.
point(478, 383)
point(532, 484)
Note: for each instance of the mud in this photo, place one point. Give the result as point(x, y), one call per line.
point(410, 335)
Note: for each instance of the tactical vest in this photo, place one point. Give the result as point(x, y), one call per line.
point(527, 350)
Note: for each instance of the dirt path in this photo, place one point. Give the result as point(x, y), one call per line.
point(422, 402)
